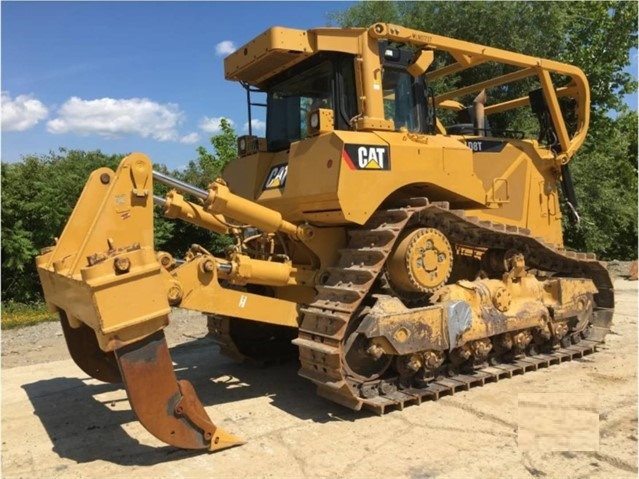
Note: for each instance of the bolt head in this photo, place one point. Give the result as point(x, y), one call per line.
point(122, 265)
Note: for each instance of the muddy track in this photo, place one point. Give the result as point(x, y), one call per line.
point(326, 323)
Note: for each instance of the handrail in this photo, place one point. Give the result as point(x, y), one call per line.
point(469, 54)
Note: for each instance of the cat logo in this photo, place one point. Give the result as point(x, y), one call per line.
point(366, 157)
point(276, 177)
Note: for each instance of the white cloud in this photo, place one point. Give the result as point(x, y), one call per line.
point(190, 138)
point(112, 118)
point(258, 126)
point(225, 48)
point(212, 125)
point(22, 112)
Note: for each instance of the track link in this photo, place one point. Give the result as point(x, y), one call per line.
point(463, 382)
point(326, 320)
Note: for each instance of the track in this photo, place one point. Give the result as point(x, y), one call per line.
point(325, 325)
point(463, 382)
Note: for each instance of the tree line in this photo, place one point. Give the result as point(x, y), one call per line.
point(40, 191)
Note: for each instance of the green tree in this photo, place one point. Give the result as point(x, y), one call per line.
point(364, 14)
point(606, 186)
point(38, 195)
point(40, 192)
point(597, 37)
point(209, 165)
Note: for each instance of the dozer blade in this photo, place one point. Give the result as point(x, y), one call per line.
point(85, 351)
point(167, 408)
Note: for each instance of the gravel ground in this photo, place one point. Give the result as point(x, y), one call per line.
point(576, 420)
point(45, 342)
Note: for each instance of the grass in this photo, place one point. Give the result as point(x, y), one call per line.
point(18, 315)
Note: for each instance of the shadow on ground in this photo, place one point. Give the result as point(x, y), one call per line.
point(85, 427)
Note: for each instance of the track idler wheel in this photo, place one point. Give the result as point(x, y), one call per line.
point(167, 408)
point(421, 262)
point(363, 360)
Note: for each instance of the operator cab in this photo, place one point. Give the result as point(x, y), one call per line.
point(327, 80)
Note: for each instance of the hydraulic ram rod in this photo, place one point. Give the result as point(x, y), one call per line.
point(219, 200)
point(175, 206)
point(180, 185)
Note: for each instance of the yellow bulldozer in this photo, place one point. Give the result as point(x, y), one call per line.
point(389, 229)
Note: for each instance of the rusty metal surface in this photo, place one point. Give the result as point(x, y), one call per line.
point(85, 351)
point(168, 409)
point(325, 321)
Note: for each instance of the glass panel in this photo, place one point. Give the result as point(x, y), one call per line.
point(399, 99)
point(348, 92)
point(290, 101)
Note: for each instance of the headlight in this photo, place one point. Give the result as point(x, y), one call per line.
point(315, 119)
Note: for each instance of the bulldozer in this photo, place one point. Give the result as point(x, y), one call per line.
point(389, 230)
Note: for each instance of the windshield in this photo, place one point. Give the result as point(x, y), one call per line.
point(290, 101)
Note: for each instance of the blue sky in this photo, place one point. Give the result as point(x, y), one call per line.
point(132, 76)
point(123, 76)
